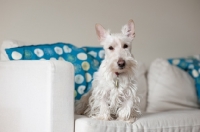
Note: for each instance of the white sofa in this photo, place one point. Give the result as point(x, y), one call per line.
point(172, 104)
point(37, 96)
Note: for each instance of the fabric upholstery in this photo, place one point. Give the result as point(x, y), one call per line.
point(170, 88)
point(169, 121)
point(36, 96)
point(192, 66)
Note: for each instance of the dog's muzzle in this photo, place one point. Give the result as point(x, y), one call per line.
point(121, 63)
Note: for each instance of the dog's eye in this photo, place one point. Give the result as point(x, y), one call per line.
point(125, 46)
point(110, 48)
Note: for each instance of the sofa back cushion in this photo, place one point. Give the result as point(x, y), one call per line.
point(170, 88)
point(192, 66)
point(9, 44)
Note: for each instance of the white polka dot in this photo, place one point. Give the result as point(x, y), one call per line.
point(67, 49)
point(92, 53)
point(85, 65)
point(176, 62)
point(95, 64)
point(71, 58)
point(27, 54)
point(189, 60)
point(61, 58)
point(195, 73)
point(191, 66)
point(39, 52)
point(52, 58)
point(48, 51)
point(82, 56)
point(88, 77)
point(58, 50)
point(81, 89)
point(42, 59)
point(101, 54)
point(79, 79)
point(16, 55)
point(77, 68)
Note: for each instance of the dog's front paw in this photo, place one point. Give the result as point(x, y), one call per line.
point(103, 117)
point(131, 120)
point(125, 114)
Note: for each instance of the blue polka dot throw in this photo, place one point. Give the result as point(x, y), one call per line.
point(192, 66)
point(86, 60)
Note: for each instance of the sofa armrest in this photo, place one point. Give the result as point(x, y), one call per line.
point(36, 96)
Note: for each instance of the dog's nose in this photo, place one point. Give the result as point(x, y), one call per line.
point(121, 63)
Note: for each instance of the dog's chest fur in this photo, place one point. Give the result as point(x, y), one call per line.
point(115, 96)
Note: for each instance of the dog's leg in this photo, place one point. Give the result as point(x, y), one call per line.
point(98, 106)
point(104, 113)
point(128, 112)
point(124, 112)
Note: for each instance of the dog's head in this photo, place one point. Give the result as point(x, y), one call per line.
point(118, 47)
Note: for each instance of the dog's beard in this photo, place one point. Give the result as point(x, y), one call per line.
point(111, 65)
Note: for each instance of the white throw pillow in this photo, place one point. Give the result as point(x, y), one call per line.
point(170, 88)
point(9, 44)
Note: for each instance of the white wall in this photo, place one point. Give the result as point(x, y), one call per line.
point(164, 28)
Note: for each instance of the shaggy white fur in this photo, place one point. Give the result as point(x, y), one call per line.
point(114, 91)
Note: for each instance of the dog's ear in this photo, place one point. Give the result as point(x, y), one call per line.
point(129, 29)
point(101, 32)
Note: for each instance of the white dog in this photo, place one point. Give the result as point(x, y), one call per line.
point(113, 94)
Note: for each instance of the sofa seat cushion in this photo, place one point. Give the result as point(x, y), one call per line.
point(168, 121)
